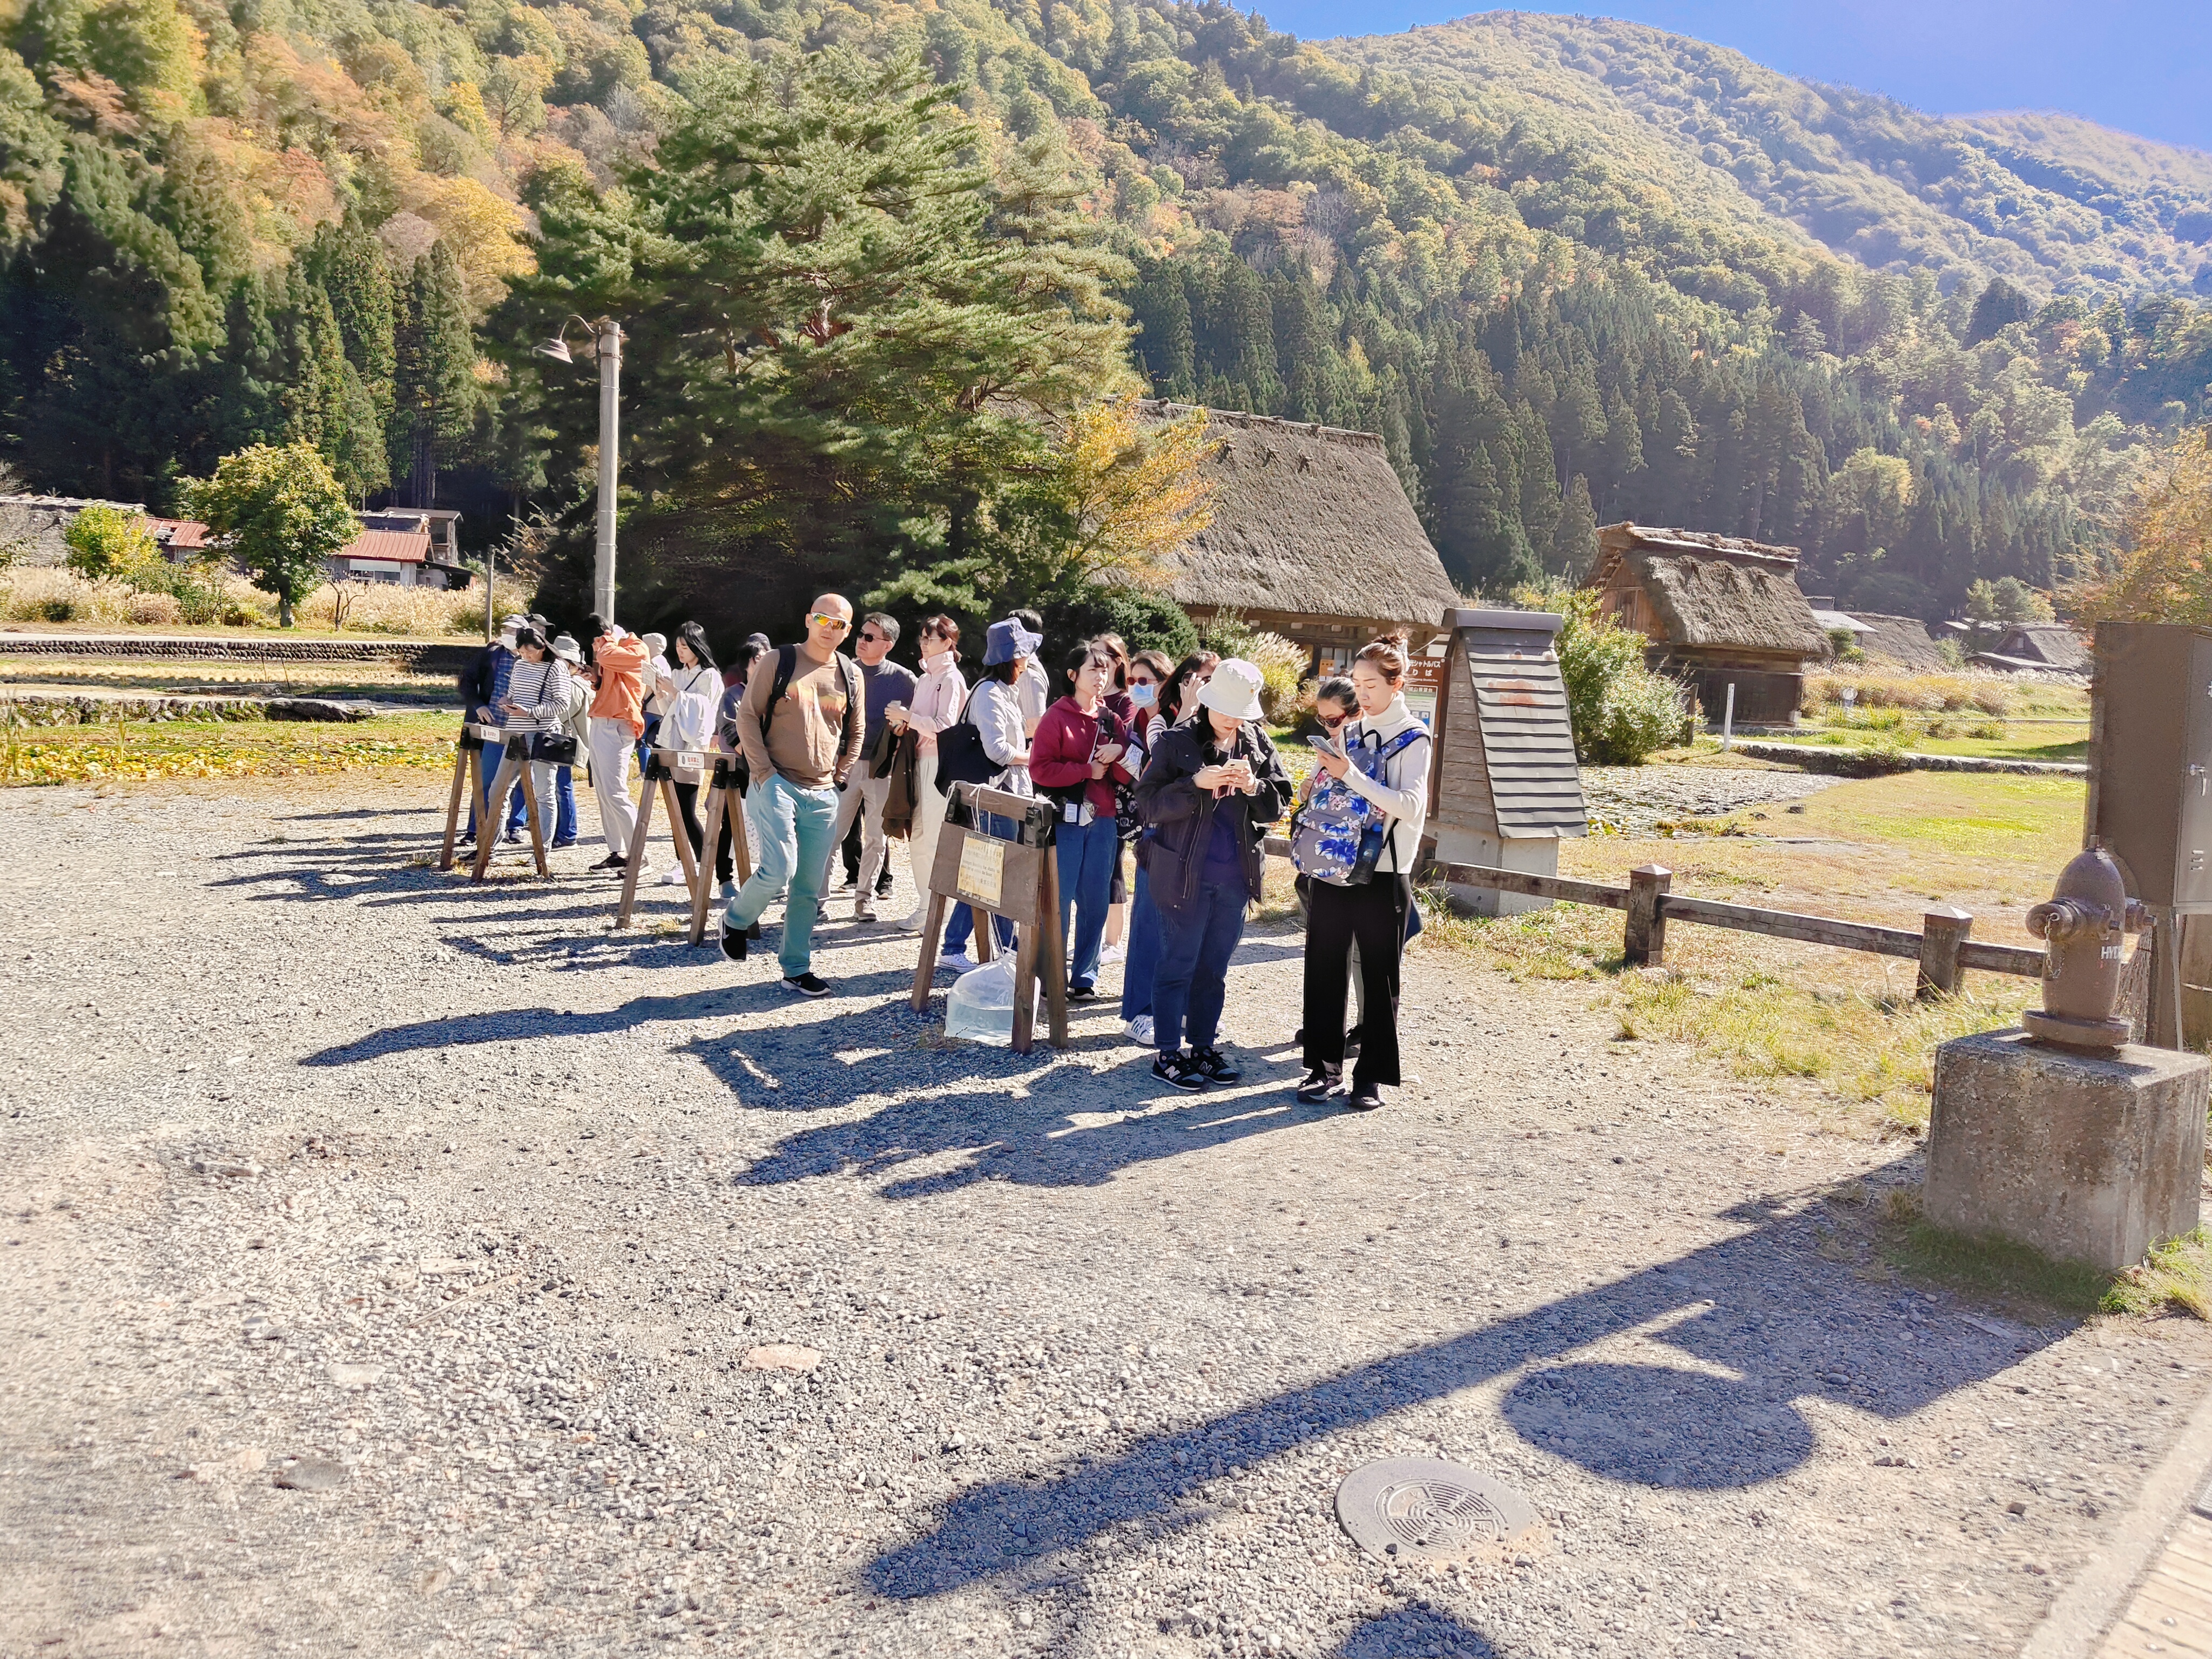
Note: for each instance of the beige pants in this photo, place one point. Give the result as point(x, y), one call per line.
point(863, 796)
point(928, 820)
point(611, 749)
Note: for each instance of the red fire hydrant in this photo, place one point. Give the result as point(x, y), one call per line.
point(2082, 925)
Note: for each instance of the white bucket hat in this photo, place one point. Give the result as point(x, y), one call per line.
point(1234, 689)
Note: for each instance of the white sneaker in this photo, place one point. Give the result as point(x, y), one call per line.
point(1140, 1030)
point(1113, 953)
point(912, 924)
point(671, 876)
point(956, 959)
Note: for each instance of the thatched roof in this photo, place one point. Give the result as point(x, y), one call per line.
point(1310, 520)
point(1902, 641)
point(1713, 590)
point(2052, 645)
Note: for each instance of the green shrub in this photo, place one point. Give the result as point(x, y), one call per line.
point(1146, 622)
point(54, 609)
point(1621, 711)
point(1282, 665)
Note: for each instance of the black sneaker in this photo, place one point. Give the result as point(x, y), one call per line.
point(807, 985)
point(612, 861)
point(883, 885)
point(1180, 1070)
point(753, 932)
point(1365, 1098)
point(733, 944)
point(1083, 994)
point(1322, 1083)
point(1214, 1066)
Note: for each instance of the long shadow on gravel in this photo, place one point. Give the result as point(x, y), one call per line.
point(1416, 1628)
point(1661, 1425)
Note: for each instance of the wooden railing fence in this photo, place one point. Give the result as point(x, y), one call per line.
point(1941, 947)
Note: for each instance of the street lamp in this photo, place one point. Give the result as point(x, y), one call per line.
point(610, 354)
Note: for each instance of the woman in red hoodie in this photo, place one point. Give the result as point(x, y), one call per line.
point(1075, 758)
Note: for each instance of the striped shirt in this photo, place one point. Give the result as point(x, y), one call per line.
point(541, 689)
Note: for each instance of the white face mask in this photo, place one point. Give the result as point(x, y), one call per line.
point(508, 639)
point(1144, 695)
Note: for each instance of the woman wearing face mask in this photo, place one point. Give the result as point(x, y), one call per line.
point(1213, 784)
point(1148, 671)
point(1372, 914)
point(938, 696)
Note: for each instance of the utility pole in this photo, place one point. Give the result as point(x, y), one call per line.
point(603, 564)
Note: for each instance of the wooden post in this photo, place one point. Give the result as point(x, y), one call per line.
point(636, 863)
point(1942, 930)
point(536, 822)
point(468, 769)
point(489, 824)
point(725, 808)
point(932, 932)
point(694, 883)
point(1054, 951)
point(1644, 941)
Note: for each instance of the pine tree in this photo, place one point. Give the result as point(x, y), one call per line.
point(434, 392)
point(1574, 543)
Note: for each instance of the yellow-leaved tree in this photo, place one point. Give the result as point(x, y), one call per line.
point(2165, 572)
point(1132, 493)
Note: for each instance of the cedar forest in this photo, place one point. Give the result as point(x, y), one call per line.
point(875, 259)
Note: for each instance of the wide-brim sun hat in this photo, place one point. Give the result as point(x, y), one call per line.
point(567, 649)
point(1234, 689)
point(512, 621)
point(1007, 641)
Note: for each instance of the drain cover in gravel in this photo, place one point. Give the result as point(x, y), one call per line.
point(1423, 1508)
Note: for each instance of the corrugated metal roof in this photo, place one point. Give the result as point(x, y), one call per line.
point(397, 546)
point(1527, 739)
point(179, 535)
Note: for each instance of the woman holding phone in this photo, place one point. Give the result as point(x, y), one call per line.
point(1394, 778)
point(1078, 757)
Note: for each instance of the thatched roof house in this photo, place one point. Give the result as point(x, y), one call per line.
point(2044, 646)
point(1899, 642)
point(1312, 536)
point(1719, 611)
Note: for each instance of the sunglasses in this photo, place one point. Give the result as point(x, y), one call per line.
point(835, 624)
point(1141, 678)
point(1330, 719)
point(870, 638)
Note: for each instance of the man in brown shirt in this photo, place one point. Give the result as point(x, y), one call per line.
point(800, 738)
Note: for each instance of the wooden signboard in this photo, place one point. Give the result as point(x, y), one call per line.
point(726, 802)
point(666, 766)
point(491, 810)
point(468, 769)
point(1017, 879)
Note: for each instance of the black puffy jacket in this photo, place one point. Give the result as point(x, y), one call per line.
point(1178, 815)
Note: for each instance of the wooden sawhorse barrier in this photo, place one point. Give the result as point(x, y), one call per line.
point(661, 769)
point(468, 772)
point(514, 762)
point(725, 803)
point(1017, 880)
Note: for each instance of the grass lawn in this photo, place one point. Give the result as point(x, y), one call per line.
point(1841, 1023)
point(141, 751)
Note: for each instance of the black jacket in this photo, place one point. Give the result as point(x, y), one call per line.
point(477, 685)
point(1178, 815)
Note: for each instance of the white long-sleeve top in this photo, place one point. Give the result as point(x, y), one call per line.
point(997, 713)
point(938, 696)
point(542, 690)
point(1403, 792)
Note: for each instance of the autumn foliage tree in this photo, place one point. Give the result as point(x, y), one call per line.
point(2165, 573)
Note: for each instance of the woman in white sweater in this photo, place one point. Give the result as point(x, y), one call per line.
point(537, 702)
point(1371, 913)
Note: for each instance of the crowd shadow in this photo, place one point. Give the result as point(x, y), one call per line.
point(1415, 1629)
point(1754, 1306)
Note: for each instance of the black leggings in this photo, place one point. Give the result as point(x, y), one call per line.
point(687, 797)
point(1375, 916)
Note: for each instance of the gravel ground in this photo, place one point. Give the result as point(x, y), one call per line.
point(399, 1267)
point(1636, 800)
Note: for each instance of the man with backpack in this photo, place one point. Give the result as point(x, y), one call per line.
point(800, 724)
point(888, 685)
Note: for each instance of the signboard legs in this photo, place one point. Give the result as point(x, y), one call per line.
point(468, 769)
point(512, 764)
point(1017, 880)
point(657, 772)
point(725, 804)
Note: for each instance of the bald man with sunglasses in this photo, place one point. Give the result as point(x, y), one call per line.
point(800, 724)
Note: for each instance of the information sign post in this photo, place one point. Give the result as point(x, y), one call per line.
point(1019, 880)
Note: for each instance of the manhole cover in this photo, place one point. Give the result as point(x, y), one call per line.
point(1423, 1508)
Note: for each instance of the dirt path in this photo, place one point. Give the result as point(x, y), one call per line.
point(324, 1167)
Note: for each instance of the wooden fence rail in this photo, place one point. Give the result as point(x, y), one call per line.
point(1941, 946)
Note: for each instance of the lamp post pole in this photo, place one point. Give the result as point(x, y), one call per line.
point(603, 565)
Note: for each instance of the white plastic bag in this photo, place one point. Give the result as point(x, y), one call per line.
point(980, 1004)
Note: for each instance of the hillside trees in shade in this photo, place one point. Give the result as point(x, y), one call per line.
point(847, 309)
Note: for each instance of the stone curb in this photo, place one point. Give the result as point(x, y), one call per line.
point(423, 656)
point(49, 711)
point(2087, 1608)
point(1876, 763)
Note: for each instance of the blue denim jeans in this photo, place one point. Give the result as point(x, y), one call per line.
point(1192, 980)
point(1086, 853)
point(1143, 949)
point(962, 927)
point(795, 828)
point(564, 807)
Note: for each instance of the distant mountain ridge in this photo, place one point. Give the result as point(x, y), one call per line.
point(2052, 203)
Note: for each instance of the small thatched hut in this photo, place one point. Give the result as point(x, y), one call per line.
point(1718, 610)
point(1312, 538)
point(1899, 642)
point(2044, 646)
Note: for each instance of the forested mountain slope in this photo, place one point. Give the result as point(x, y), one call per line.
point(1571, 269)
point(2052, 203)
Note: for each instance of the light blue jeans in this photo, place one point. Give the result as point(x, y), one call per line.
point(794, 828)
point(1087, 853)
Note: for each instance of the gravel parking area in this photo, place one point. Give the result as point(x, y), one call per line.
point(396, 1267)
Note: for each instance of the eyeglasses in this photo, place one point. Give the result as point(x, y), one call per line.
point(835, 624)
point(870, 638)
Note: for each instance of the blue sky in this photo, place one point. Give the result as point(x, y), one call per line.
point(2144, 66)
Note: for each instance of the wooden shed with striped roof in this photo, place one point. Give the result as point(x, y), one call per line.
point(1506, 788)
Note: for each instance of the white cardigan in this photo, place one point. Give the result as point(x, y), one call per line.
point(1403, 792)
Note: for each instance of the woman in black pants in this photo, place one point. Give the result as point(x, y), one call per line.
point(1371, 913)
point(694, 675)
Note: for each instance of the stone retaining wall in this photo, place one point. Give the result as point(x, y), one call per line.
point(105, 710)
point(1877, 763)
point(417, 656)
